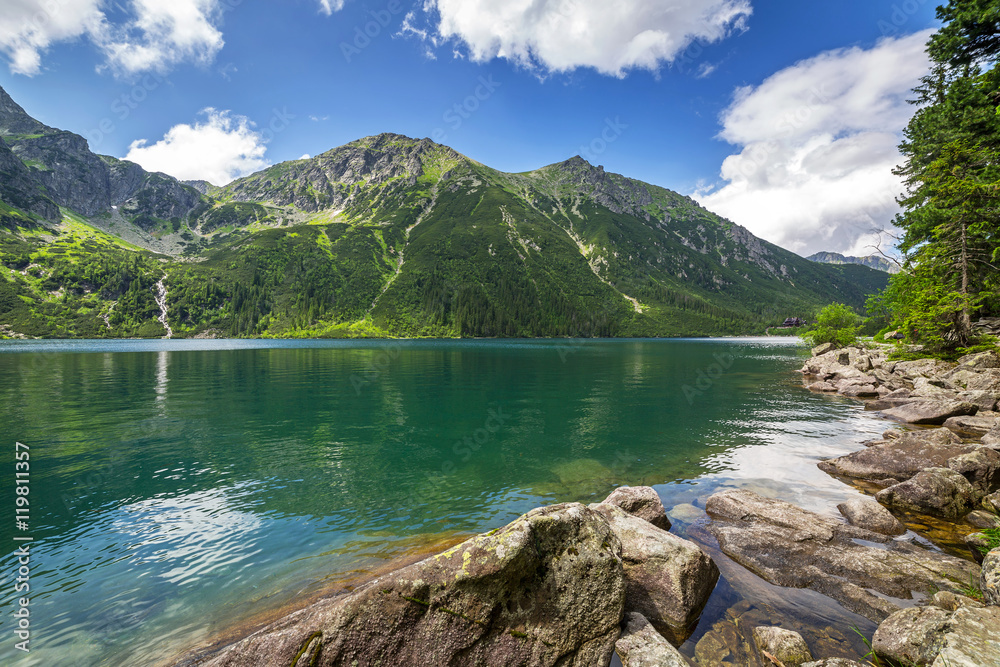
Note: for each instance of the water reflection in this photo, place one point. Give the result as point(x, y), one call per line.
point(178, 480)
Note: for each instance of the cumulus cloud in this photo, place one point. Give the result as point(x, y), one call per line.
point(29, 27)
point(220, 149)
point(817, 147)
point(562, 35)
point(163, 34)
point(151, 35)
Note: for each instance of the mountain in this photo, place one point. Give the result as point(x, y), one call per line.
point(872, 261)
point(384, 236)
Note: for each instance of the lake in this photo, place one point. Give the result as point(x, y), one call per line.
point(179, 488)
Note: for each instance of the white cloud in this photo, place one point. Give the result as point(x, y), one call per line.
point(328, 7)
point(220, 149)
point(818, 144)
point(562, 35)
point(163, 34)
point(305, 156)
point(154, 35)
point(29, 27)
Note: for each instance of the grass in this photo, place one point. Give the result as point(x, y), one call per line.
point(993, 536)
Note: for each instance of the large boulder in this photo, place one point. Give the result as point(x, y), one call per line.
point(788, 546)
point(868, 514)
point(971, 426)
point(668, 579)
point(989, 580)
point(823, 349)
point(992, 437)
point(979, 466)
point(547, 589)
point(979, 361)
point(937, 491)
point(640, 501)
point(642, 646)
point(930, 412)
point(786, 646)
point(972, 640)
point(912, 636)
point(900, 458)
point(929, 368)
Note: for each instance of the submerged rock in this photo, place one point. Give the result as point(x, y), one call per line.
point(930, 412)
point(788, 546)
point(786, 646)
point(547, 589)
point(938, 491)
point(642, 502)
point(833, 662)
point(642, 646)
point(868, 514)
point(668, 579)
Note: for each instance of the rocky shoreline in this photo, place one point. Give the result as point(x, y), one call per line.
point(575, 584)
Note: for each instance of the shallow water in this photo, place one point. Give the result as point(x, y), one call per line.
point(181, 487)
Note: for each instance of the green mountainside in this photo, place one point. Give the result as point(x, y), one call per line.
point(385, 236)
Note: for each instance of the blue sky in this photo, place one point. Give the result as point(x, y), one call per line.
point(783, 115)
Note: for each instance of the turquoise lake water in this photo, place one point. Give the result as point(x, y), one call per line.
point(179, 487)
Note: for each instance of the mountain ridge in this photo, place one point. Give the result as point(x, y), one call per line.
point(384, 236)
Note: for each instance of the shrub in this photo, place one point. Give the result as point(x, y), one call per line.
point(836, 324)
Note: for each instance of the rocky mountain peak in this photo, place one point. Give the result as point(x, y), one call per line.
point(15, 120)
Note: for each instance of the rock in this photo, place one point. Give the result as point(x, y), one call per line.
point(938, 491)
point(547, 589)
point(972, 640)
point(979, 467)
point(987, 380)
point(822, 386)
point(979, 545)
point(786, 646)
point(970, 427)
point(858, 390)
point(982, 519)
point(833, 662)
point(823, 349)
point(868, 514)
point(931, 368)
point(992, 438)
point(979, 361)
point(992, 502)
point(930, 412)
point(989, 580)
point(933, 389)
point(912, 636)
point(642, 646)
point(899, 393)
point(984, 399)
point(900, 458)
point(640, 501)
point(788, 546)
point(951, 601)
point(844, 358)
point(668, 579)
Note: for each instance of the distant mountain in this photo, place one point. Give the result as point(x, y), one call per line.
point(384, 236)
point(872, 261)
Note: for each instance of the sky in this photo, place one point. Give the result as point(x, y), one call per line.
point(783, 116)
